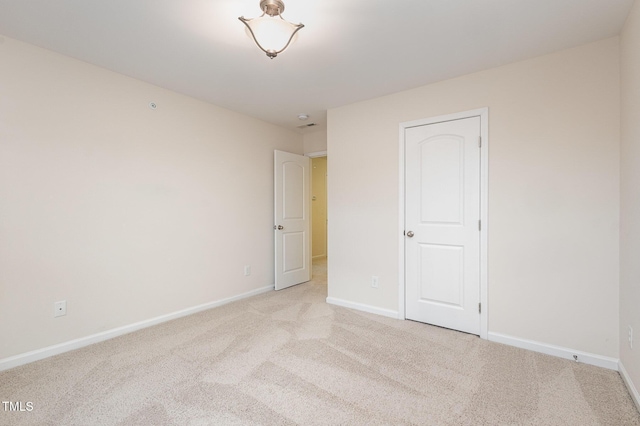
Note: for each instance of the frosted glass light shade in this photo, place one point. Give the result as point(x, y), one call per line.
point(272, 34)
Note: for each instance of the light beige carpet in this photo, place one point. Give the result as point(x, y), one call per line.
point(286, 358)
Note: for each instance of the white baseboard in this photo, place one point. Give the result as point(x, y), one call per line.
point(630, 386)
point(545, 348)
point(27, 357)
point(361, 307)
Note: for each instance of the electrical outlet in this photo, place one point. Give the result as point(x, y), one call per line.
point(60, 308)
point(630, 337)
point(374, 281)
point(247, 270)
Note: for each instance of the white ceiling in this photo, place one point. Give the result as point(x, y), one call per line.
point(349, 50)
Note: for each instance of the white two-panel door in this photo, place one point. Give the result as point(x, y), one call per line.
point(292, 224)
point(442, 224)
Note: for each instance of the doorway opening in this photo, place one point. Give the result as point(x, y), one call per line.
point(319, 208)
point(319, 217)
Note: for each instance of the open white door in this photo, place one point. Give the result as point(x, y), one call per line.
point(292, 224)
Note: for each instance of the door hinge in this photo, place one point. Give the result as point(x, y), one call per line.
point(479, 308)
point(479, 225)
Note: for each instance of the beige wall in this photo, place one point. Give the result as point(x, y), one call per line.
point(126, 212)
point(315, 142)
point(554, 124)
point(319, 206)
point(630, 196)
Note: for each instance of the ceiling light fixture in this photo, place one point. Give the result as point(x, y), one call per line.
point(270, 31)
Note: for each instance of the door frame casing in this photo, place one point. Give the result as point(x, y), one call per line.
point(316, 154)
point(483, 113)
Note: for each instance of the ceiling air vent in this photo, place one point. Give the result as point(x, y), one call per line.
point(304, 126)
